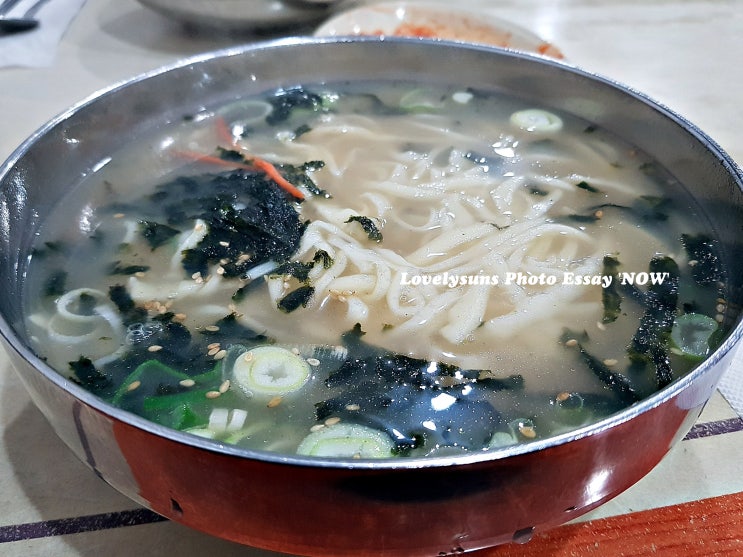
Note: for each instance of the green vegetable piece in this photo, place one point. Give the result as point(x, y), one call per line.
point(148, 379)
point(691, 334)
point(299, 297)
point(347, 440)
point(156, 234)
point(369, 227)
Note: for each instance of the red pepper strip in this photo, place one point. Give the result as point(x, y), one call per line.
point(225, 134)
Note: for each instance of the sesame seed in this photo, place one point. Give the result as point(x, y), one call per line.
point(274, 402)
point(213, 351)
point(693, 263)
point(220, 270)
point(313, 362)
point(180, 317)
point(720, 308)
point(719, 318)
point(133, 385)
point(225, 386)
point(295, 351)
point(154, 348)
point(213, 394)
point(119, 215)
point(352, 407)
point(527, 431)
point(571, 342)
point(224, 244)
point(610, 362)
point(563, 396)
point(187, 383)
point(139, 274)
point(211, 328)
point(332, 421)
point(317, 427)
point(600, 325)
point(221, 354)
point(342, 299)
point(598, 214)
point(248, 357)
point(196, 275)
point(214, 345)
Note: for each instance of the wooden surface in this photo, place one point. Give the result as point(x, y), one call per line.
point(704, 528)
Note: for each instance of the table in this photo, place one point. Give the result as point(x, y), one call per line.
point(683, 53)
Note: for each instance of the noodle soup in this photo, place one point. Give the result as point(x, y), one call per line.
point(376, 271)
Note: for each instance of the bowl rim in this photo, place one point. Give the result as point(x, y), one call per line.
point(14, 343)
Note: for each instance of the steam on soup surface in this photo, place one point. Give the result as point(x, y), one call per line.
point(376, 271)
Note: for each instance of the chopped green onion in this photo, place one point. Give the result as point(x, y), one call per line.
point(347, 440)
point(270, 371)
point(535, 120)
point(691, 334)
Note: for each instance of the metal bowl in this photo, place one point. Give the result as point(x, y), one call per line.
point(241, 15)
point(330, 507)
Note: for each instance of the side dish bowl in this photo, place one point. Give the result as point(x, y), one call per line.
point(319, 506)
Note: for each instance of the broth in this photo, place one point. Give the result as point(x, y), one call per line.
point(416, 271)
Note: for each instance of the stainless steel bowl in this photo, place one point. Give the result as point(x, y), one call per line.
point(241, 15)
point(345, 507)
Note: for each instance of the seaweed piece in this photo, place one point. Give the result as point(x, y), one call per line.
point(156, 234)
point(123, 301)
point(246, 289)
point(650, 343)
point(322, 256)
point(703, 251)
point(645, 209)
point(249, 222)
point(617, 382)
point(369, 227)
point(299, 297)
point(89, 377)
point(296, 269)
point(285, 101)
point(661, 301)
point(55, 284)
point(610, 297)
point(587, 187)
point(116, 269)
point(419, 403)
point(300, 176)
point(230, 330)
